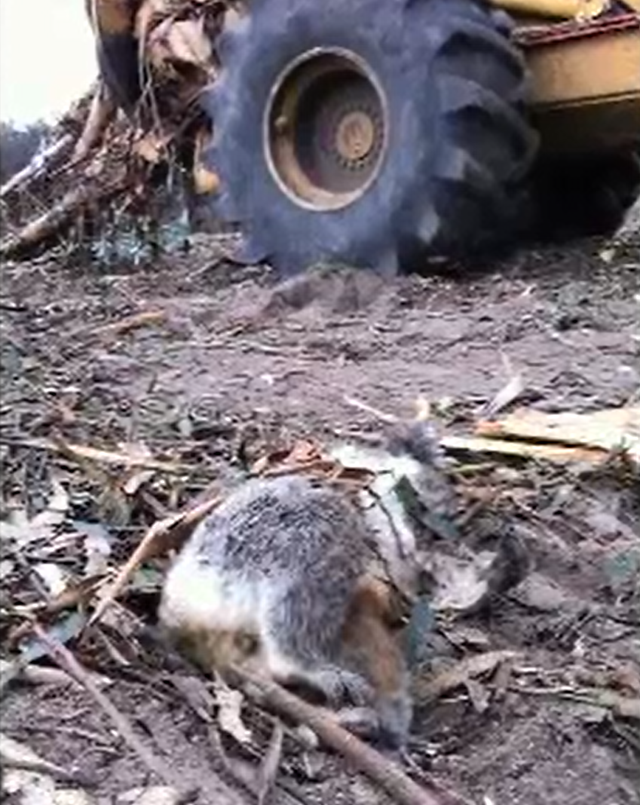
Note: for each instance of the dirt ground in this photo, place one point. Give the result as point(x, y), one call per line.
point(237, 363)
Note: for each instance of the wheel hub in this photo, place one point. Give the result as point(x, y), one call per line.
point(325, 129)
point(355, 136)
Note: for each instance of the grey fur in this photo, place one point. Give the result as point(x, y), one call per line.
point(309, 540)
point(311, 545)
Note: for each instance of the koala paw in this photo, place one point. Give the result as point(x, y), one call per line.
point(338, 685)
point(395, 713)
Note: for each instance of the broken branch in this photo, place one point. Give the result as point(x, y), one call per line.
point(58, 217)
point(37, 166)
point(65, 660)
point(101, 113)
point(387, 774)
point(548, 452)
point(163, 534)
point(45, 767)
point(130, 323)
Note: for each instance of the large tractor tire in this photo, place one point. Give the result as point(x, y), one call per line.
point(584, 197)
point(369, 132)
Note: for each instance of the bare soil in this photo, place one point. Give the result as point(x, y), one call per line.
point(240, 363)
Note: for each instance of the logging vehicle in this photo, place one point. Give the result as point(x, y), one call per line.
point(382, 132)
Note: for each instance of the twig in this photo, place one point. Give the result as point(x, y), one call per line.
point(80, 452)
point(457, 676)
point(60, 216)
point(367, 759)
point(390, 419)
point(268, 771)
point(170, 530)
point(37, 166)
point(622, 706)
point(65, 659)
point(101, 113)
point(129, 323)
point(45, 767)
point(31, 674)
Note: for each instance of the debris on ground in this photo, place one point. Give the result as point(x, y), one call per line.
point(108, 180)
point(115, 442)
point(603, 433)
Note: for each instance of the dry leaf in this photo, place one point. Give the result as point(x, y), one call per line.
point(21, 530)
point(461, 673)
point(622, 706)
point(479, 695)
point(135, 481)
point(508, 393)
point(72, 796)
point(152, 148)
point(66, 628)
point(59, 500)
point(97, 546)
point(188, 42)
point(460, 585)
point(229, 703)
point(53, 576)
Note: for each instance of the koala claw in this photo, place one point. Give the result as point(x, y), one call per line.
point(356, 689)
point(338, 685)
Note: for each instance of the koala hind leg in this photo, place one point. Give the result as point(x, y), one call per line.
point(332, 682)
point(302, 650)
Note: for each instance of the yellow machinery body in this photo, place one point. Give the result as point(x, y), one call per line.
point(585, 73)
point(583, 57)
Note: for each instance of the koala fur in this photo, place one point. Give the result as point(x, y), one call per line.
point(278, 576)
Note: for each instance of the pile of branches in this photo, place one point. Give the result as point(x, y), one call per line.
point(103, 166)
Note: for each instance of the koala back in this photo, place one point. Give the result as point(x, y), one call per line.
point(286, 545)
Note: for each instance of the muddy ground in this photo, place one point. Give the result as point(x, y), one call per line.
point(238, 364)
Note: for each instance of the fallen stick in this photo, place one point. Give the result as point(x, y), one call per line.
point(82, 451)
point(76, 452)
point(101, 112)
point(548, 452)
point(33, 674)
point(622, 706)
point(387, 774)
point(130, 323)
point(38, 164)
point(54, 221)
point(426, 691)
point(162, 535)
point(65, 660)
point(390, 419)
point(45, 767)
point(607, 429)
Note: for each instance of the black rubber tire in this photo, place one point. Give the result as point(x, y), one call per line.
point(459, 144)
point(586, 197)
